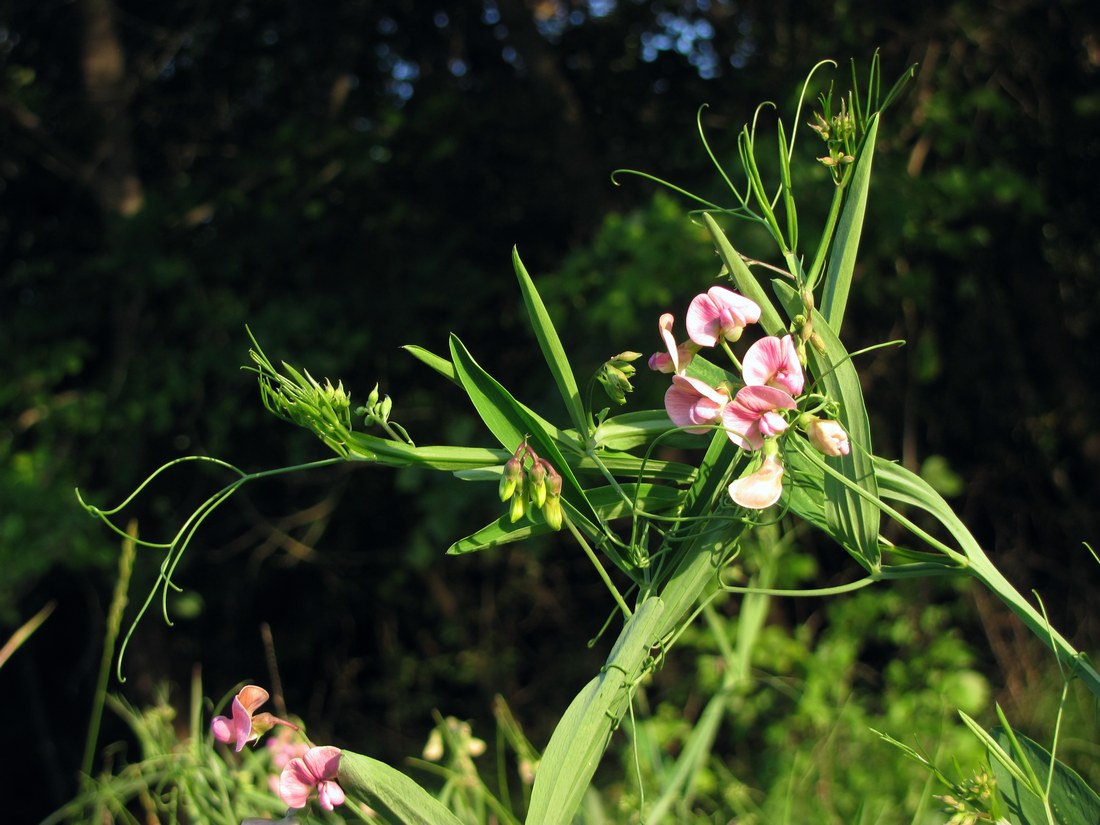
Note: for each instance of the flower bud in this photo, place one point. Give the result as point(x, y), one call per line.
point(828, 437)
point(537, 477)
point(519, 500)
point(513, 472)
point(551, 511)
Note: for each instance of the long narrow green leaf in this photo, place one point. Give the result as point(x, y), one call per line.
point(1072, 801)
point(583, 732)
point(551, 347)
point(842, 258)
point(854, 517)
point(401, 799)
point(436, 362)
point(511, 422)
point(395, 454)
point(743, 277)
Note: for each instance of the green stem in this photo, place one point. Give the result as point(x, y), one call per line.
point(599, 567)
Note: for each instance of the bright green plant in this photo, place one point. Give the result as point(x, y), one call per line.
point(784, 425)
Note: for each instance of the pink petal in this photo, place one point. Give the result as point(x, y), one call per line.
point(251, 697)
point(702, 321)
point(773, 361)
point(762, 488)
point(323, 762)
point(295, 783)
point(222, 729)
point(242, 724)
point(751, 415)
point(664, 325)
point(719, 313)
point(690, 402)
point(331, 794)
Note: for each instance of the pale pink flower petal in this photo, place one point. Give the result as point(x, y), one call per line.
point(720, 313)
point(694, 404)
point(751, 416)
point(760, 489)
point(251, 697)
point(773, 362)
point(318, 768)
point(330, 794)
point(829, 437)
point(295, 783)
point(676, 356)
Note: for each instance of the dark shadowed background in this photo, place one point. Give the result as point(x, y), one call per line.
point(349, 177)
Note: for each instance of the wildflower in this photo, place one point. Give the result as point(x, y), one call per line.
point(677, 356)
point(720, 313)
point(752, 415)
point(773, 362)
point(318, 769)
point(691, 403)
point(828, 436)
point(243, 727)
point(762, 488)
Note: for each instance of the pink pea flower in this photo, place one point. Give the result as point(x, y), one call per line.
point(828, 436)
point(773, 362)
point(720, 313)
point(752, 415)
point(762, 488)
point(243, 727)
point(692, 403)
point(318, 768)
point(676, 356)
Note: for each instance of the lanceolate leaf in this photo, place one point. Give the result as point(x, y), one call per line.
point(842, 257)
point(854, 519)
point(582, 734)
point(402, 800)
point(1072, 801)
point(551, 347)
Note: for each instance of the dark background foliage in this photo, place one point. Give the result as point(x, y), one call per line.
point(349, 178)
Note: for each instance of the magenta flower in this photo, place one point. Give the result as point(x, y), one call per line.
point(318, 768)
point(828, 436)
point(720, 313)
point(676, 356)
point(762, 488)
point(692, 403)
point(773, 362)
point(243, 727)
point(752, 416)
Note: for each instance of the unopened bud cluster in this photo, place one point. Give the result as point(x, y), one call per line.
point(533, 488)
point(615, 375)
point(839, 132)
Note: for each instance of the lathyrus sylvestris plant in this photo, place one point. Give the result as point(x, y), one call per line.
point(784, 424)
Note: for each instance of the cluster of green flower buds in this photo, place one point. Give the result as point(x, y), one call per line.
point(615, 375)
point(531, 489)
point(839, 133)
